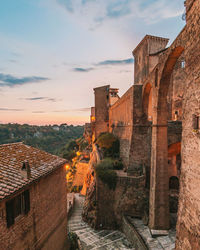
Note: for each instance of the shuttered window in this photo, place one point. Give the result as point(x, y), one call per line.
point(17, 206)
point(10, 213)
point(196, 122)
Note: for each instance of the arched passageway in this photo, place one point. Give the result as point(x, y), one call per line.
point(174, 168)
point(159, 185)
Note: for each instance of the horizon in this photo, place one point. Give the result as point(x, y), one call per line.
point(54, 52)
point(42, 125)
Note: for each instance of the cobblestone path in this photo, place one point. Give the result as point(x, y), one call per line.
point(92, 239)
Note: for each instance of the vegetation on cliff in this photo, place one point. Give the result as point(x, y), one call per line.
point(109, 145)
point(105, 171)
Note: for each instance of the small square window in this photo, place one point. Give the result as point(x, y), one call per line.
point(182, 64)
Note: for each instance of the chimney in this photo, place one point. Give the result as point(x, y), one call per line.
point(26, 170)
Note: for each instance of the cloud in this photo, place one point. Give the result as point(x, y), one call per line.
point(125, 71)
point(116, 62)
point(12, 81)
point(83, 69)
point(118, 9)
point(95, 12)
point(10, 109)
point(15, 54)
point(13, 61)
point(105, 63)
point(40, 98)
point(73, 110)
point(38, 112)
point(67, 4)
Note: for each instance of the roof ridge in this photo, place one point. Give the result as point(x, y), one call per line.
point(12, 143)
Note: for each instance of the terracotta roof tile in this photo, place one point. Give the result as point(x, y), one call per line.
point(12, 157)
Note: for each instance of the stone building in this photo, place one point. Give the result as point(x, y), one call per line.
point(158, 124)
point(33, 207)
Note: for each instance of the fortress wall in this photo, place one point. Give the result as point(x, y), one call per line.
point(121, 122)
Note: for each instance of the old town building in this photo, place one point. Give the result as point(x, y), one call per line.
point(33, 208)
point(158, 124)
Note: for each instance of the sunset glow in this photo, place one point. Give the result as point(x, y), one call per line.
point(52, 56)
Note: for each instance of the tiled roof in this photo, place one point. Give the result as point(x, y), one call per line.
point(12, 157)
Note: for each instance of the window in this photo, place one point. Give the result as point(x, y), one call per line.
point(182, 64)
point(113, 94)
point(176, 115)
point(196, 122)
point(17, 206)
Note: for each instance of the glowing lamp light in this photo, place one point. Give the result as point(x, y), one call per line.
point(93, 118)
point(78, 153)
point(67, 166)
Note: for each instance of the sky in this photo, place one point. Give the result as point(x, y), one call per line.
point(54, 52)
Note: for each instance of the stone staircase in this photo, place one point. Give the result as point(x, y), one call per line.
point(93, 239)
point(139, 230)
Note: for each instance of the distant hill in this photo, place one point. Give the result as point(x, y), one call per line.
point(49, 138)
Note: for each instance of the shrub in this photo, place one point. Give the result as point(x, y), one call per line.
point(73, 240)
point(104, 171)
point(109, 144)
point(117, 164)
point(69, 155)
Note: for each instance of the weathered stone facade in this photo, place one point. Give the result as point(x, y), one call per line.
point(157, 122)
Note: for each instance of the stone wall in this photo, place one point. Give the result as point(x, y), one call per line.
point(101, 109)
point(188, 227)
point(178, 85)
point(143, 63)
point(128, 198)
point(121, 122)
point(44, 227)
point(140, 150)
point(132, 235)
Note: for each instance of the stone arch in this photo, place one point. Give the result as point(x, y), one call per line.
point(159, 186)
point(147, 101)
point(164, 84)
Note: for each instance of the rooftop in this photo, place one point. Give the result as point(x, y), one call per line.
point(150, 37)
point(12, 157)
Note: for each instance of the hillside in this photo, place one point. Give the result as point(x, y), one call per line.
point(49, 138)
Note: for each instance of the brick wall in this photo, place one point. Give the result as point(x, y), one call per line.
point(44, 227)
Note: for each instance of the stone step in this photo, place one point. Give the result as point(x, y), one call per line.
point(93, 239)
